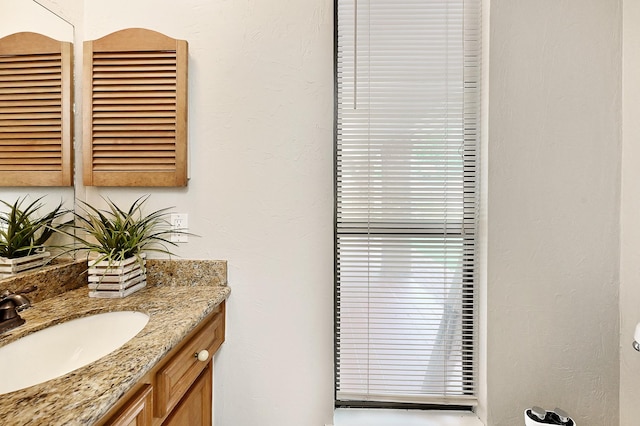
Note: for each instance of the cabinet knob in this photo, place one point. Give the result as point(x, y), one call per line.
point(203, 355)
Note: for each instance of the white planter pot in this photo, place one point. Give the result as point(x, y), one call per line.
point(10, 267)
point(116, 279)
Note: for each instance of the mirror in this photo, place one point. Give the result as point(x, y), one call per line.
point(29, 15)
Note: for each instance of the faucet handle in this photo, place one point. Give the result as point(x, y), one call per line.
point(19, 300)
point(27, 289)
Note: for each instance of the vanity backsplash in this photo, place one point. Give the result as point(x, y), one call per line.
point(59, 278)
point(183, 272)
point(50, 281)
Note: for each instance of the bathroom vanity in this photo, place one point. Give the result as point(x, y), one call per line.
point(162, 376)
point(177, 390)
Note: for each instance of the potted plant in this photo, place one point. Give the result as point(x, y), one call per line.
point(23, 234)
point(116, 241)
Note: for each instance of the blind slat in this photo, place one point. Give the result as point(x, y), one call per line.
point(406, 186)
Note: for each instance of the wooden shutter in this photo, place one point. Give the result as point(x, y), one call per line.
point(135, 110)
point(36, 120)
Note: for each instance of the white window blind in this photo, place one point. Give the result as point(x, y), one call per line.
point(406, 191)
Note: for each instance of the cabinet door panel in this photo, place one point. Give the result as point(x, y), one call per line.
point(175, 378)
point(195, 408)
point(137, 412)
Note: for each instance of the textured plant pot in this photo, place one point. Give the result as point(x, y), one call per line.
point(10, 267)
point(116, 279)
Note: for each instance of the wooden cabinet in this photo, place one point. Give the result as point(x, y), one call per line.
point(195, 407)
point(138, 411)
point(178, 390)
point(36, 111)
point(135, 109)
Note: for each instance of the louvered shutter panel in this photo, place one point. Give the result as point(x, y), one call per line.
point(36, 92)
point(135, 85)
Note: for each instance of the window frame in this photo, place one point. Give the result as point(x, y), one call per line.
point(468, 225)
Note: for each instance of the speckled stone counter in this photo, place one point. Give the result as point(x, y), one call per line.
point(50, 280)
point(175, 307)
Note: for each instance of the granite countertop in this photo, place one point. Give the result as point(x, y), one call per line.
point(86, 394)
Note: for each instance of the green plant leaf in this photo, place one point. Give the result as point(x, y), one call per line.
point(115, 233)
point(23, 232)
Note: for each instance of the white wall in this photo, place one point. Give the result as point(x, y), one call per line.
point(26, 15)
point(630, 212)
point(260, 196)
point(553, 205)
point(261, 190)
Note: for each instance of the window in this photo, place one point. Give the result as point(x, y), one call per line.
point(407, 76)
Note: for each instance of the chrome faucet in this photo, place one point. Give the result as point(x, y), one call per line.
point(10, 305)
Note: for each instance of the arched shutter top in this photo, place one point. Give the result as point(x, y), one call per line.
point(36, 119)
point(135, 85)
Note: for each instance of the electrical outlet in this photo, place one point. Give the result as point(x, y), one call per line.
point(179, 222)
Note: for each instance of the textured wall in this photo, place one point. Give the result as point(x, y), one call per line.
point(26, 15)
point(260, 195)
point(630, 213)
point(69, 10)
point(553, 204)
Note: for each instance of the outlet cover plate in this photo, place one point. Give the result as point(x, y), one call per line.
point(179, 221)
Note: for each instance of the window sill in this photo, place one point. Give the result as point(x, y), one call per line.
point(380, 417)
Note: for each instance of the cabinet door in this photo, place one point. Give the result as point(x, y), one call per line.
point(195, 408)
point(143, 139)
point(137, 412)
point(177, 374)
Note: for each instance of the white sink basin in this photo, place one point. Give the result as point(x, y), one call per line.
point(62, 348)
